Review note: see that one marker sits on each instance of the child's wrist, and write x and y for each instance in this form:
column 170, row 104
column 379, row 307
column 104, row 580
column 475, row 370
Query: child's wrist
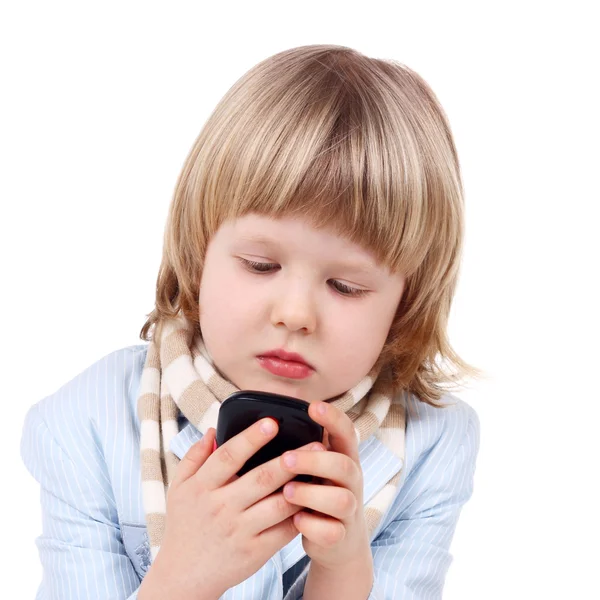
column 163, row 581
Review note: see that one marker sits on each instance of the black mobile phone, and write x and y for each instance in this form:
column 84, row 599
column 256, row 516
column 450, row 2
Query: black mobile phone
column 296, row 428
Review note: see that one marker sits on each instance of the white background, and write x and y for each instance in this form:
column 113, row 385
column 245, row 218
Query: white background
column 101, row 103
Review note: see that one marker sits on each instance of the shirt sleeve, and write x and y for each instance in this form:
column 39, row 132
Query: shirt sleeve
column 80, row 546
column 411, row 555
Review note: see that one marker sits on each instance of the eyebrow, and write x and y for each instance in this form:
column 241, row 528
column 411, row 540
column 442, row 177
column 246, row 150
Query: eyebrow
column 258, row 238
column 360, row 267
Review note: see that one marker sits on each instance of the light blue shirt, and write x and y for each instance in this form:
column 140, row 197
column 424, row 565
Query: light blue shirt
column 82, row 445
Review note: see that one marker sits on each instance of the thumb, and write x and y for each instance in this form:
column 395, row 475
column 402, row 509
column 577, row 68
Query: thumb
column 195, row 457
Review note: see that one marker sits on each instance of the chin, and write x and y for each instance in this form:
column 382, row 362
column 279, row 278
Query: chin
column 284, row 387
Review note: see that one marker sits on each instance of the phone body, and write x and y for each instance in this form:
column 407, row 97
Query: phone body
column 296, row 428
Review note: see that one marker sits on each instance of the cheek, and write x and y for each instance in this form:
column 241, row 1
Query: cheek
column 363, row 344
column 359, row 336
column 219, row 317
column 226, row 305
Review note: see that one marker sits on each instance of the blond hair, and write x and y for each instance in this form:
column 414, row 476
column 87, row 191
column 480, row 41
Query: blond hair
column 355, row 144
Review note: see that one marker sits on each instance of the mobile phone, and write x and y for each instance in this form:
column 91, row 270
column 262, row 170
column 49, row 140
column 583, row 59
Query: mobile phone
column 296, row 428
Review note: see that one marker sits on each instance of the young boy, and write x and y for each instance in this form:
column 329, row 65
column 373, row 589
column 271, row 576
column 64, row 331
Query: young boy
column 312, row 250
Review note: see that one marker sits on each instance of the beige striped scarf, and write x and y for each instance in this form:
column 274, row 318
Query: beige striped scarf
column 181, row 377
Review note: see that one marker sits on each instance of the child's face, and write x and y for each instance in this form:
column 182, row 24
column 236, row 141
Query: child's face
column 303, row 300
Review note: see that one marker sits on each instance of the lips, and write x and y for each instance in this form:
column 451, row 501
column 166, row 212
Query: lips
column 287, row 356
column 285, row 364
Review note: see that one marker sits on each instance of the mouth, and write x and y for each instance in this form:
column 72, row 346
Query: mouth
column 285, row 364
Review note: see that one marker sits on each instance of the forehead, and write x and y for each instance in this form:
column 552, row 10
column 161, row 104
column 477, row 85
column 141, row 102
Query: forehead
column 298, row 235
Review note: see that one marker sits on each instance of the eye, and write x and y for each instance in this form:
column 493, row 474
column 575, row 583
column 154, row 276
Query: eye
column 258, row 267
column 346, row 290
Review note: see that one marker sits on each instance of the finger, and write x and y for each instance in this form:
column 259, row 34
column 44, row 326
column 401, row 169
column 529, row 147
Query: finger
column 264, row 479
column 338, row 468
column 231, row 456
column 271, row 540
column 269, row 512
column 194, row 458
column 334, row 501
column 341, row 435
column 319, row 529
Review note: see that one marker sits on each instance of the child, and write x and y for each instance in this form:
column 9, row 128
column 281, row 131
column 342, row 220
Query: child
column 312, row 249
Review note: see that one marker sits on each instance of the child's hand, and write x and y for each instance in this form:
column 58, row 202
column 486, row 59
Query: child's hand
column 337, row 535
column 221, row 528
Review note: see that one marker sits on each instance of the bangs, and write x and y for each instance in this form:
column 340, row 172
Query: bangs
column 334, row 144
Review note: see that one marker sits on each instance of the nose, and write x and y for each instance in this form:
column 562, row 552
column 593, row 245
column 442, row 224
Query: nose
column 295, row 309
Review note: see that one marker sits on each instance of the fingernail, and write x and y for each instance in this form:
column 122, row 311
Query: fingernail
column 288, row 490
column 267, row 426
column 317, row 446
column 289, row 459
column 322, row 408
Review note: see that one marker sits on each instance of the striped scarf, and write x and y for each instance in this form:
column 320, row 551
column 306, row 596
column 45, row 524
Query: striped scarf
column 180, row 377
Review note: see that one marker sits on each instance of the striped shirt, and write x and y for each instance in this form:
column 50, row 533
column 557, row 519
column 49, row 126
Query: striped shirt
column 81, row 444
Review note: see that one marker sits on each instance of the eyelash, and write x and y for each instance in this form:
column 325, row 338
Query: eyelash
column 341, row 288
